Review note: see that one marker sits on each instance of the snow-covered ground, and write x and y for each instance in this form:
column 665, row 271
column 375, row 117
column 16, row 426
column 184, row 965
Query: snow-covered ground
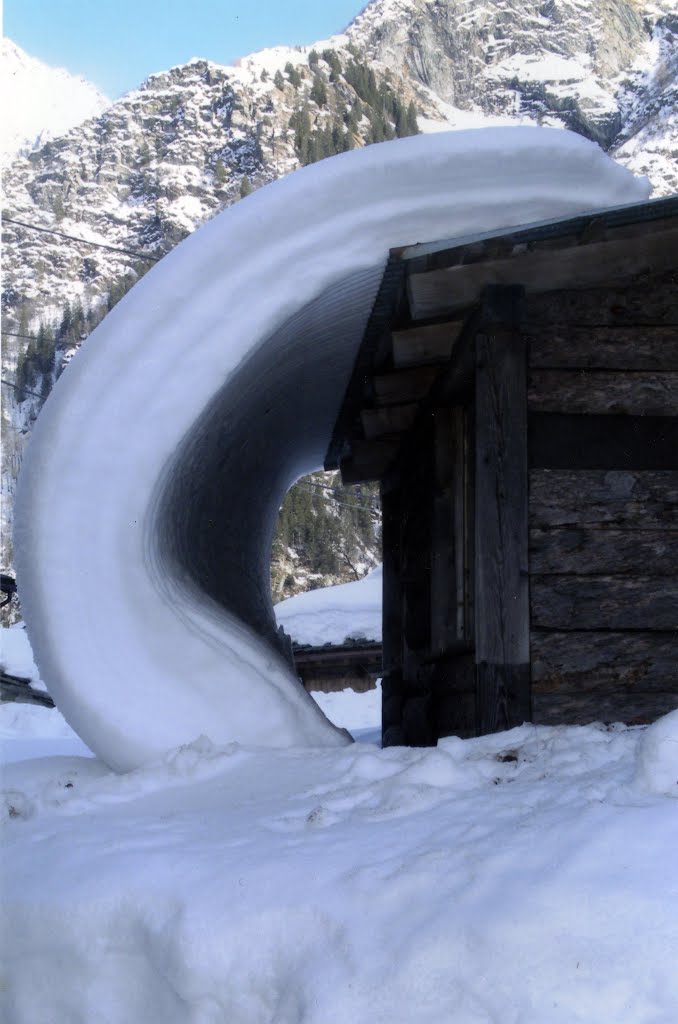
column 524, row 878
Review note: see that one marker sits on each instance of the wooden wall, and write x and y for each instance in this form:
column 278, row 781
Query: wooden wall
column 603, row 501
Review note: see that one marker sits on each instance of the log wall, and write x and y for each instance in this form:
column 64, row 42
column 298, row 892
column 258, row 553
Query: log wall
column 603, row 502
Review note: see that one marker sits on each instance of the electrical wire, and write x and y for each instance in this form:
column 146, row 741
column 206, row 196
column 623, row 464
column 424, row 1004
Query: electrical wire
column 16, row 387
column 83, row 241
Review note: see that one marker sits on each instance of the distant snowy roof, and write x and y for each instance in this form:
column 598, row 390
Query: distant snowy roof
column 144, row 566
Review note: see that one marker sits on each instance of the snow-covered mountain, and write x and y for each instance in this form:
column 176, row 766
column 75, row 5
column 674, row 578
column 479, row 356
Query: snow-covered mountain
column 145, row 171
column 40, row 102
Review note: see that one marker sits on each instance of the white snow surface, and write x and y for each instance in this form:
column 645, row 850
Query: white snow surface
column 231, row 357
column 528, row 877
column 16, row 656
column 331, row 615
column 40, row 102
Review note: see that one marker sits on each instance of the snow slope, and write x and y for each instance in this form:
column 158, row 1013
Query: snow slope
column 159, row 550
column 330, row 615
column 523, row 878
column 40, row 102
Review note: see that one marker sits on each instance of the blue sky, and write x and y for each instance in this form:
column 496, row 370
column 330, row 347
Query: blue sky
column 118, row 43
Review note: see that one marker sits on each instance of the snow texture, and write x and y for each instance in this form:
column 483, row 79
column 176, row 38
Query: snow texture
column 144, row 567
column 658, row 757
column 16, row 656
column 520, row 878
column 331, row 615
column 40, row 102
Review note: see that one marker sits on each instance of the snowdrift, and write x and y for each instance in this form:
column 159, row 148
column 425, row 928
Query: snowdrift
column 149, row 493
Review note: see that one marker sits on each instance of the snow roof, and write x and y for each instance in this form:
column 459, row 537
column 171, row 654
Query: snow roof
column 143, row 565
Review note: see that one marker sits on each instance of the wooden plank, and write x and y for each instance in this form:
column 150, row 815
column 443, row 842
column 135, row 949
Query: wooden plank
column 389, row 419
column 632, row 393
column 604, row 602
column 651, row 299
column 501, row 561
column 454, row 696
column 599, row 441
column 392, row 612
column 586, row 551
column 432, row 343
column 391, row 500
column 586, row 268
column 369, row 460
column 448, row 590
column 403, row 386
column 640, row 661
column 593, row 498
column 580, row 707
column 612, row 348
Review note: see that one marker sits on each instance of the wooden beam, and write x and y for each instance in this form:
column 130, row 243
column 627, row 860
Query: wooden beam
column 604, row 602
column 611, row 442
column 645, row 500
column 388, row 419
column 439, row 293
column 587, row 551
column 404, row 386
column 582, row 706
column 635, row 660
column 561, row 346
column 369, row 460
column 502, row 623
column 646, row 300
column 432, row 343
column 631, row 393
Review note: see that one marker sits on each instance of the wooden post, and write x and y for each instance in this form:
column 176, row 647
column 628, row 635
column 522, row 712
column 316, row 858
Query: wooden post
column 392, row 616
column 502, row 623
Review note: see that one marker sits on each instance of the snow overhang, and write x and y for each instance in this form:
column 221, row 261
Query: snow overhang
column 152, row 483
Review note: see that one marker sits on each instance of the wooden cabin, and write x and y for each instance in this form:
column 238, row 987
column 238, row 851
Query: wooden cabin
column 517, row 398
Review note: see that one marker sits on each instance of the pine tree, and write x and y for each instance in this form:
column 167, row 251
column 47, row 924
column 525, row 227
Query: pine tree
column 318, row 93
column 278, row 80
column 220, row 175
column 245, row 186
column 293, row 76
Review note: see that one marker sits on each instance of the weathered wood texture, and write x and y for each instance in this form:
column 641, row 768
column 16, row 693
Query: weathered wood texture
column 391, row 499
column 403, row 386
column 562, row 346
column 648, row 300
column 15, row 689
column 580, row 706
column 604, row 602
column 432, row 343
column 334, row 667
column 599, row 441
column 645, row 500
column 390, row 419
column 501, row 556
column 436, row 292
column 448, row 590
column 623, row 661
column 586, row 551
column 454, row 696
column 369, row 460
column 633, row 393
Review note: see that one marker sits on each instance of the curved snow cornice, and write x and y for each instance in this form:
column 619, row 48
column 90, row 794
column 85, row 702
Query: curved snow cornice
column 152, row 482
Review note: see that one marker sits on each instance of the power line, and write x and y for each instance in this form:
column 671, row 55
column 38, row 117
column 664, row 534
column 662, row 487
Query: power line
column 16, row 387
column 344, row 504
column 83, row 241
column 28, row 337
